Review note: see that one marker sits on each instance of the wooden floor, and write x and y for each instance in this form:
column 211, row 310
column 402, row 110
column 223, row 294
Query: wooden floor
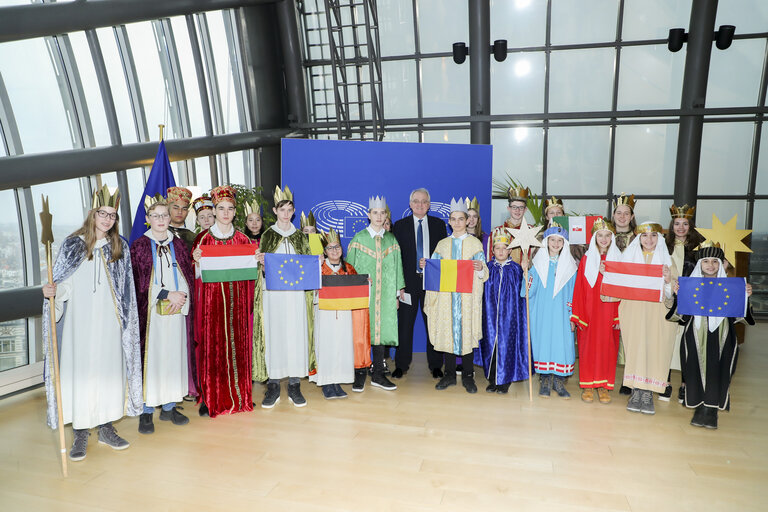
column 415, row 449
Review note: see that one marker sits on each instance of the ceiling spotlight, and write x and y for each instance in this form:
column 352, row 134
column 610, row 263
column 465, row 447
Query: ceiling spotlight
column 460, row 52
column 724, row 36
column 677, row 37
column 499, row 50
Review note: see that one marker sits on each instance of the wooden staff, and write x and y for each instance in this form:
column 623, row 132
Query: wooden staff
column 46, row 220
column 528, row 330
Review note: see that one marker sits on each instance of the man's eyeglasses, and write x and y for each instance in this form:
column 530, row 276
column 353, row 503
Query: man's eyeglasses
column 104, row 215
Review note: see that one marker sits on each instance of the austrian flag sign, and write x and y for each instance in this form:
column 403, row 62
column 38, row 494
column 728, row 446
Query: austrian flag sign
column 633, row 281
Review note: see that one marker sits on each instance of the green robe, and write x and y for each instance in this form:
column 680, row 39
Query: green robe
column 270, row 240
column 381, row 259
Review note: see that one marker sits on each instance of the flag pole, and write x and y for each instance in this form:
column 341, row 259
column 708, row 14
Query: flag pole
column 161, row 126
column 528, row 331
column 46, row 220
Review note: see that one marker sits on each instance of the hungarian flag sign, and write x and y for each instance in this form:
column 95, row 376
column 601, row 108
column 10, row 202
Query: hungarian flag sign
column 224, row 263
column 291, row 271
column 343, row 292
column 579, row 228
column 634, row 281
column 703, row 296
column 449, row 275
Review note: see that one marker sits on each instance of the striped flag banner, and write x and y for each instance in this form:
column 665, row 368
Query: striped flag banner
column 344, row 292
column 579, row 227
column 224, row 263
column 634, row 281
column 449, row 275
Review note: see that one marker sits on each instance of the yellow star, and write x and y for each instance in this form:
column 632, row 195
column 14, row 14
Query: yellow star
column 711, row 282
column 728, row 236
column 695, row 295
column 720, row 284
column 710, row 310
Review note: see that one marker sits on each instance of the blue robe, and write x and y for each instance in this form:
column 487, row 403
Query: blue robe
column 552, row 343
column 504, row 324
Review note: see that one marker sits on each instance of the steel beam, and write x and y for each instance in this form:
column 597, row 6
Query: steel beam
column 480, row 69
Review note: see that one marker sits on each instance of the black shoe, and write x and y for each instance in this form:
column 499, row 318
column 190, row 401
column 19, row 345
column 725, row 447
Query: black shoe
column 146, row 425
column 491, row 388
column 203, row 411
column 329, row 392
column 447, row 380
column 340, row 393
column 469, row 384
column 295, row 396
column 502, row 388
column 666, row 395
column 710, row 417
column 437, row 373
column 380, row 381
column 624, row 390
column 459, row 369
column 271, row 395
column 174, row 417
column 681, row 394
column 359, row 385
column 698, row 417
column 398, row 373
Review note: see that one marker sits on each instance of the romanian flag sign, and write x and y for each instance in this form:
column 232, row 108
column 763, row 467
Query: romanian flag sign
column 449, row 275
column 703, row 296
column 579, row 228
column 633, row 281
column 291, row 271
column 224, row 263
column 344, row 292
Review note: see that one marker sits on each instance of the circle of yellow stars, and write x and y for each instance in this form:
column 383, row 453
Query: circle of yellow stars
column 283, row 278
column 719, row 308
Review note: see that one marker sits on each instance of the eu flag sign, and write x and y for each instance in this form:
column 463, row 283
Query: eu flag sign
column 712, row 296
column 291, row 271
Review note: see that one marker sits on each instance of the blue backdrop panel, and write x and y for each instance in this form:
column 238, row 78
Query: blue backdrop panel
column 334, row 179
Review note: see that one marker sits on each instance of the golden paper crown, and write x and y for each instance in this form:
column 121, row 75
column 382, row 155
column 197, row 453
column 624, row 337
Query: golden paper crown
column 518, row 193
column 282, row 195
column 682, row 212
column 625, row 199
column 103, row 197
column 551, row 202
column 649, row 227
column 307, row 220
column 223, row 193
column 502, row 236
column 179, row 194
column 473, row 204
column 252, row 207
column 149, row 201
column 603, row 224
column 202, row 203
column 330, row 237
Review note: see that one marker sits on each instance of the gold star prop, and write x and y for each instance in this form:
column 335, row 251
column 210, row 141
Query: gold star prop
column 525, row 236
column 729, row 238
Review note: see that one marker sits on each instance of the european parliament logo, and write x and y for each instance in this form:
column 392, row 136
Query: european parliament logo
column 703, row 296
column 346, row 217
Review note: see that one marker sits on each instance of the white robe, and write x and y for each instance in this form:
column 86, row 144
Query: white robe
column 285, row 326
column 93, row 379
column 166, row 377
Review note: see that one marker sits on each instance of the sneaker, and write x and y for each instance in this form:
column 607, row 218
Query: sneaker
column 491, row 388
column 174, row 416
column 646, row 402
column 545, row 385
column 588, row 395
column 79, row 444
column 359, row 384
column 295, row 396
column 380, row 381
column 271, row 396
column 666, row 395
column 108, row 436
column 560, row 387
column 633, row 405
column 329, row 392
column 603, row 395
column 502, row 389
column 340, row 393
column 469, row 384
column 624, row 390
column 146, row 425
column 681, row 394
column 446, row 381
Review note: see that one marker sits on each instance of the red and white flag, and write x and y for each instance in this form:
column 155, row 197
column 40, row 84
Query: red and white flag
column 634, row 281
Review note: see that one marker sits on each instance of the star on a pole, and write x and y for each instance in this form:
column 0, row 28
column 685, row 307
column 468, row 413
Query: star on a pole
column 525, row 237
column 729, row 238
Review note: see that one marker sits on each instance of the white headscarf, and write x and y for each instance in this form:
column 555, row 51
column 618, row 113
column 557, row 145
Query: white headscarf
column 566, row 265
column 634, row 252
column 713, row 322
column 592, row 266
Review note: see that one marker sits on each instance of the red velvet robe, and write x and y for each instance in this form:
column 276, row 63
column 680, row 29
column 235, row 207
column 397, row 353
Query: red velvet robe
column 598, row 340
column 224, row 332
column 361, row 323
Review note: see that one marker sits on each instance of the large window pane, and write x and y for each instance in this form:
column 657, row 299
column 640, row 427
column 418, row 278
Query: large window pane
column 224, row 72
column 237, row 162
column 762, row 162
column 447, row 136
column 724, row 209
column 584, row 21
column 11, row 258
column 399, row 89
column 734, row 74
column 585, row 206
column 517, row 84
column 13, row 344
column 203, row 172
column 726, row 150
column 396, row 31
column 30, row 80
column 581, row 80
column 401, row 136
column 652, row 19
column 188, row 76
column 442, row 23
column 758, row 260
column 117, row 84
column 655, row 210
column 650, row 77
column 644, row 160
column 520, row 22
column 444, row 87
column 91, row 89
column 518, row 153
column 577, row 160
column 749, row 16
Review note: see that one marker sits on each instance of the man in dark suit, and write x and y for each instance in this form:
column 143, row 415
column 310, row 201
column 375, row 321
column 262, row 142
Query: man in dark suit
column 417, row 235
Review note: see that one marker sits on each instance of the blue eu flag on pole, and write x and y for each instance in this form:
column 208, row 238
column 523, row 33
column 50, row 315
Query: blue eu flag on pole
column 159, row 181
column 712, row 296
column 292, row 272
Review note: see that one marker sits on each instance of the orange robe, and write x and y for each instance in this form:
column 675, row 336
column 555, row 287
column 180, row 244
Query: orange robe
column 361, row 324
